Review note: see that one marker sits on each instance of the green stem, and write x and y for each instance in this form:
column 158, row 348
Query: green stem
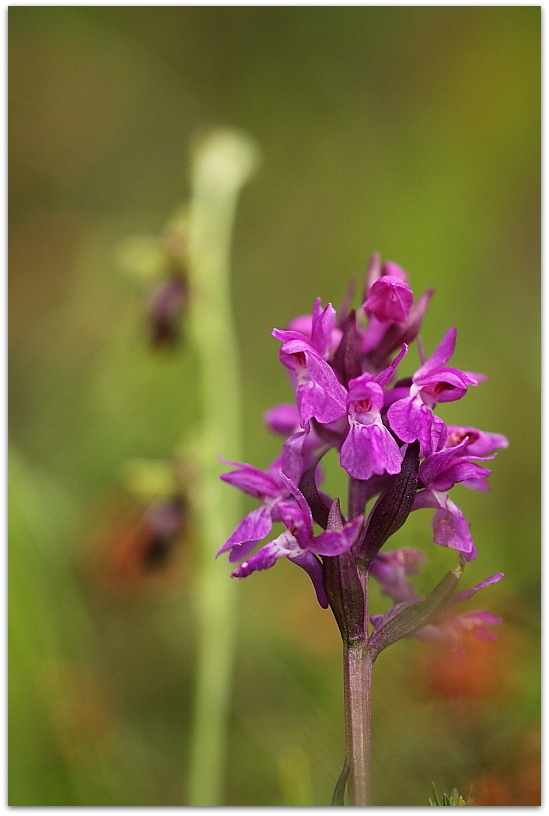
column 222, row 166
column 357, row 666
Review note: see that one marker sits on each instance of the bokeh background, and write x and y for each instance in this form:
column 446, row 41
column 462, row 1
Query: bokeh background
column 412, row 131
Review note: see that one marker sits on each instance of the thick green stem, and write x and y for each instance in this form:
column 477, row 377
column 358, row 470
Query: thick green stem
column 222, row 165
column 357, row 666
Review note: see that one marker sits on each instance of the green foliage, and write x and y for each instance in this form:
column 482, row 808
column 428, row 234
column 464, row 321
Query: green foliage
column 453, row 799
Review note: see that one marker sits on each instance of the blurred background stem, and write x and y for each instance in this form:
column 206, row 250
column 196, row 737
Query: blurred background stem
column 222, row 165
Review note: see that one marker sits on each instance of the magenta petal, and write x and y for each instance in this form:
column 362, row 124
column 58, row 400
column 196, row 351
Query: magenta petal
column 460, row 472
column 302, row 324
column 315, row 401
column 282, row 419
column 479, row 443
column 369, row 449
column 389, row 299
column 392, row 269
column 323, row 375
column 300, row 498
column 253, row 528
column 384, row 377
column 323, row 325
column 440, row 355
column 436, row 463
column 465, row 594
column 335, row 542
column 250, row 480
column 288, row 336
column 444, row 384
column 292, row 460
column 411, row 419
column 313, row 568
column 283, row 546
column 450, row 529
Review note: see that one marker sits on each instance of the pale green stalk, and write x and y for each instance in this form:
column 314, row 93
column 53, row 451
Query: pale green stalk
column 221, row 167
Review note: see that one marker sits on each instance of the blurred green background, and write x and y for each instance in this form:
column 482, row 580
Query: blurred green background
column 412, row 131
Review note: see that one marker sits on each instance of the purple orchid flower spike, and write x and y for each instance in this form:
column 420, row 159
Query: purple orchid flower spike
column 397, row 453
column 298, row 544
column 412, row 418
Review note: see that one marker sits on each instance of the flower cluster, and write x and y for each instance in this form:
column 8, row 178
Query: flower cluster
column 343, row 370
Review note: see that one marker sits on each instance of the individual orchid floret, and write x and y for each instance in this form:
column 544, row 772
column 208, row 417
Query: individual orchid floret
column 298, row 544
column 319, row 393
column 450, row 527
column 412, row 417
column 394, row 318
column 479, row 443
column 391, row 569
column 389, row 299
column 443, row 469
column 319, row 328
column 264, row 485
column 438, row 473
column 396, row 333
column 369, row 447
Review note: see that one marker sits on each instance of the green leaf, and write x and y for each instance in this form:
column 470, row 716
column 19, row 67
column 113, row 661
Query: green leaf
column 434, row 800
column 409, row 619
column 339, row 792
column 454, row 799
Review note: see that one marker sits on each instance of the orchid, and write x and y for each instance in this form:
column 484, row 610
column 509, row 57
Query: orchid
column 397, row 452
